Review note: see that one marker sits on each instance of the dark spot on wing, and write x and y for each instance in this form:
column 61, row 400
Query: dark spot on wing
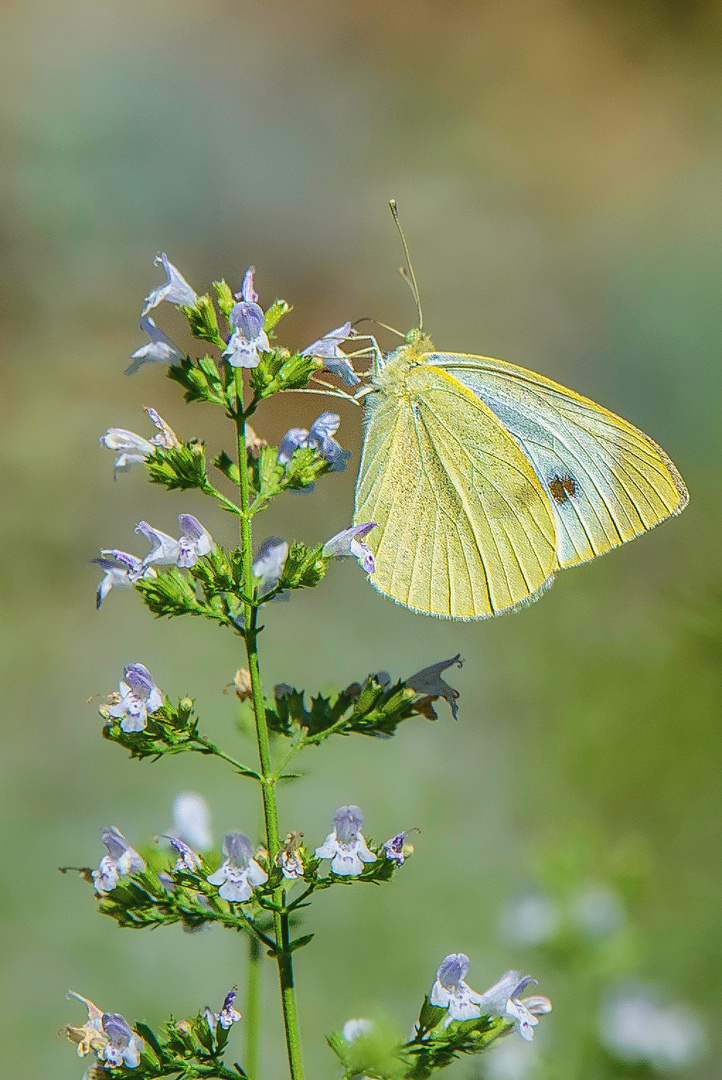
column 562, row 488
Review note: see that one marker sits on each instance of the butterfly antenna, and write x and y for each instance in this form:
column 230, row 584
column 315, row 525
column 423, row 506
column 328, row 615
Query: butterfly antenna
column 407, row 274
column 383, row 325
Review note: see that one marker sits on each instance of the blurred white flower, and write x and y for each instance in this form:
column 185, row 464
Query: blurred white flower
column 597, row 910
column 511, row 1059
column 635, row 1027
column 353, row 1029
column 530, row 920
column 192, row 820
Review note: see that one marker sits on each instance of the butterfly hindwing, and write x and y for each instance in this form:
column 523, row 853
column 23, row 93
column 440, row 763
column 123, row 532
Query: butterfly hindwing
column 606, row 481
column 465, row 529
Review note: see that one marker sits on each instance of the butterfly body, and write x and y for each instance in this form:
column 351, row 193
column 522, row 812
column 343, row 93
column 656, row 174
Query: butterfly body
column 484, row 479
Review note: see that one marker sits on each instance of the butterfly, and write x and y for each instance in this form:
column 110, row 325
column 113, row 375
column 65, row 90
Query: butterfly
column 484, row 479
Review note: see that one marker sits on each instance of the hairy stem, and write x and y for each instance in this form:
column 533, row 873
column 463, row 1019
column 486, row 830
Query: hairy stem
column 270, row 812
column 253, row 1007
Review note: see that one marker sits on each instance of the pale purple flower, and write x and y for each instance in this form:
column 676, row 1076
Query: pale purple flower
column 124, row 1047
column 429, row 682
column 452, row 993
column 320, row 438
column 349, row 542
column 530, row 920
column 247, row 319
column 122, row 570
column 195, row 541
column 269, row 563
column 335, row 361
column 503, row 1000
column 597, row 910
column 165, row 550
column 175, row 288
column 192, row 820
column 159, row 350
column 139, row 698
column 120, row 861
column 108, row 1035
column 187, row 860
column 228, row 1015
column 397, row 850
column 240, row 874
column 133, row 449
column 346, row 846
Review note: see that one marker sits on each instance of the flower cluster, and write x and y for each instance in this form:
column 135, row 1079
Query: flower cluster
column 452, row 993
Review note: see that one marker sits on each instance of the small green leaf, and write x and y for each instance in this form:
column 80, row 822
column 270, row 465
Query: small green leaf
column 200, row 380
column 182, row 468
column 226, row 465
column 203, row 321
column 275, row 313
column 304, row 567
column 299, row 942
column 266, row 472
column 170, row 593
column 226, row 299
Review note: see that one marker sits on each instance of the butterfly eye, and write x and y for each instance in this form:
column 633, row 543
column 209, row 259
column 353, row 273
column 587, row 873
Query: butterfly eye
column 562, row 488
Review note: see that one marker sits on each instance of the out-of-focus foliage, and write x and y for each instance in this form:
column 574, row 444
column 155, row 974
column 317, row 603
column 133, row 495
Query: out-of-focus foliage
column 557, row 167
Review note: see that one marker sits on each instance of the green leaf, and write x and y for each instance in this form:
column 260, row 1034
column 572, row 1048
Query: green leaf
column 169, row 730
column 226, row 299
column 299, row 942
column 203, row 321
column 279, row 370
column 266, row 472
column 182, row 468
column 200, row 380
column 169, row 594
column 151, row 1039
column 226, row 465
column 304, row 468
column 275, row 313
column 304, row 567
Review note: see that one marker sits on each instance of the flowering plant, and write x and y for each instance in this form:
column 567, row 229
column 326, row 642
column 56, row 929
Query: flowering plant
column 257, row 889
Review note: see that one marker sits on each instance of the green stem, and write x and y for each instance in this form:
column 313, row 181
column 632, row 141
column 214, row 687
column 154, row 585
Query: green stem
column 270, row 811
column 253, row 1008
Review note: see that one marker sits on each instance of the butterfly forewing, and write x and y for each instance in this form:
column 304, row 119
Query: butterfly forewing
column 465, row 529
column 606, row 481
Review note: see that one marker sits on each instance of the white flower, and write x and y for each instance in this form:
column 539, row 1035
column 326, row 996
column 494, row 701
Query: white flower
column 159, row 350
column 120, row 861
column 335, row 361
column 133, row 449
column 121, row 571
column 349, row 542
column 192, row 820
column 175, row 289
column 240, row 874
column 502, row 999
column 597, row 910
column 345, row 846
column 139, row 698
column 451, row 992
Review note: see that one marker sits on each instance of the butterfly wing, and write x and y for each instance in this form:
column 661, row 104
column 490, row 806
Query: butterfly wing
column 465, row 529
column 607, row 481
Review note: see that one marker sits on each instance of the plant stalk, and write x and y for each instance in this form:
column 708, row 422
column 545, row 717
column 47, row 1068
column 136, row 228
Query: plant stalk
column 270, row 811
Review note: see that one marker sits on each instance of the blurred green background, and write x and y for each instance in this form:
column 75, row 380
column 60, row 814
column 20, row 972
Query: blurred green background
column 557, row 164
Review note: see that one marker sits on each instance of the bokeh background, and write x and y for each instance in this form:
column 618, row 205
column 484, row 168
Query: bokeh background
column 558, row 167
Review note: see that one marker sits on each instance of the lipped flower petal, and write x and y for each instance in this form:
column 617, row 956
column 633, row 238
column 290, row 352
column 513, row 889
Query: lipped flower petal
column 175, row 289
column 346, row 846
column 269, row 563
column 159, row 350
column 195, row 541
column 139, row 698
column 165, row 550
column 247, row 321
column 349, row 542
column 328, row 349
column 239, row 874
column 122, row 570
column 120, row 861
